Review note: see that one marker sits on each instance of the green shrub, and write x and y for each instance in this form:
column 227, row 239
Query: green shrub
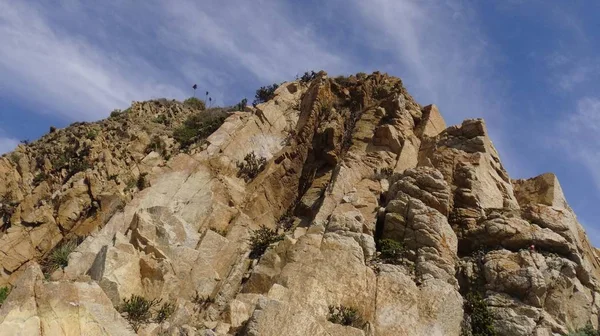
column 383, row 173
column 4, row 291
column 260, row 240
column 115, row 113
column 265, row 94
column 308, row 76
column 142, row 181
column 201, row 301
column 6, row 212
column 391, row 250
column 59, row 257
column 481, row 318
column 162, row 119
column 77, row 165
column 164, row 312
column 241, row 105
column 92, row 134
column 156, row 145
column 251, row 166
column 138, row 310
column 345, row 316
column 195, row 103
column 588, row 330
column 131, row 183
column 199, row 126
column 39, row 178
column 15, row 157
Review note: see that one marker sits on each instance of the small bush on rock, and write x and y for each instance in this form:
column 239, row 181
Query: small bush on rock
column 199, row 126
column 391, row 250
column 383, row 173
column 265, row 94
column 138, row 310
column 481, row 318
column 165, row 311
column 241, row 105
column 142, row 181
column 4, row 291
column 260, row 240
column 156, row 145
column 588, row 330
column 115, row 113
column 59, row 257
column 308, row 76
column 251, row 166
column 345, row 316
column 196, row 103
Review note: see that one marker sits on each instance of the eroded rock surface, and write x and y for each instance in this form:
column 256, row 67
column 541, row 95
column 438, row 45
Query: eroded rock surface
column 349, row 163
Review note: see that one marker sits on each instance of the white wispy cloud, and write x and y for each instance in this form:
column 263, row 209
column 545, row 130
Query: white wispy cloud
column 82, row 61
column 568, row 72
column 437, row 45
column 64, row 72
column 579, row 135
column 259, row 38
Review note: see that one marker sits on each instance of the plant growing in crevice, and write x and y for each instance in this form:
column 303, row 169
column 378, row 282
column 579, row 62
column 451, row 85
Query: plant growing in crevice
column 156, row 145
column 260, row 239
column 137, row 310
column 251, row 166
column 7, row 209
column 286, row 222
column 4, row 291
column 222, row 232
column 39, row 178
column 142, row 181
column 391, row 250
column 482, row 321
column 588, row 330
column 201, row 301
column 383, row 173
column 164, row 312
column 346, row 316
column 59, row 257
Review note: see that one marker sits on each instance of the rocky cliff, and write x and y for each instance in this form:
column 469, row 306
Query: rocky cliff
column 337, row 207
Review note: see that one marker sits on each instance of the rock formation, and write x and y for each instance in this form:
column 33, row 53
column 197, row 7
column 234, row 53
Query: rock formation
column 380, row 220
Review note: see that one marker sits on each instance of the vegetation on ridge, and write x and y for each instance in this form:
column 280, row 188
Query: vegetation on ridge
column 199, row 126
column 264, row 94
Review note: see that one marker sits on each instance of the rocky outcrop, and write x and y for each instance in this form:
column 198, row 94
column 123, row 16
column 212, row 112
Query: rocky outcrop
column 352, row 165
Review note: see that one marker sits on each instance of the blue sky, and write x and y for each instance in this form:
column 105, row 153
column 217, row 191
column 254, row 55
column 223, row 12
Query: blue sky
column 529, row 68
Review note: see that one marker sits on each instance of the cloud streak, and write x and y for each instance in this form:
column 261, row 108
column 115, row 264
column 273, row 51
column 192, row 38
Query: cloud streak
column 579, row 135
column 65, row 73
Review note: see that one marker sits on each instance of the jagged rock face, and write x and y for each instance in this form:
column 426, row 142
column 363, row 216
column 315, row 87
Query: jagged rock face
column 71, row 181
column 350, row 163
